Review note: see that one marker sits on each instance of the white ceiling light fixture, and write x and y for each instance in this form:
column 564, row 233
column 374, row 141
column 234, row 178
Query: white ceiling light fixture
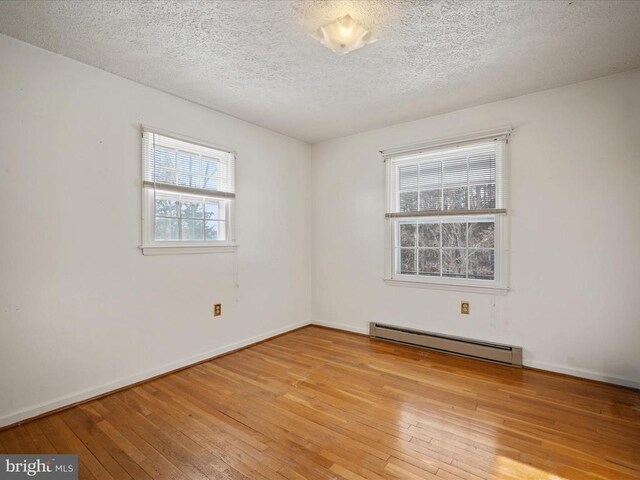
column 344, row 35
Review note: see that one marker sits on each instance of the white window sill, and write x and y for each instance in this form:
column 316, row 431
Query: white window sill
column 186, row 249
column 447, row 286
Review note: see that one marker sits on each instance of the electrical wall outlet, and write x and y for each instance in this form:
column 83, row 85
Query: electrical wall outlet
column 217, row 310
column 464, row 308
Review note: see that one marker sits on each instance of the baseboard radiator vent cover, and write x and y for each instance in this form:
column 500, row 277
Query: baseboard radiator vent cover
column 466, row 347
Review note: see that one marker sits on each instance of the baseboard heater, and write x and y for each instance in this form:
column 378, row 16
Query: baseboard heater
column 466, row 347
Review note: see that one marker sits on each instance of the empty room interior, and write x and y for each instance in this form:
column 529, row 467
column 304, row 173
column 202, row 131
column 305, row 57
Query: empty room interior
column 309, row 239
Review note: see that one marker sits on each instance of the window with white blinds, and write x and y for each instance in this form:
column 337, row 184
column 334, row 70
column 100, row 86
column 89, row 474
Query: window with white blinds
column 446, row 213
column 188, row 190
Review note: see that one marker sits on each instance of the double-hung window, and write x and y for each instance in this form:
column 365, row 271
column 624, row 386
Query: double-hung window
column 188, row 195
column 446, row 215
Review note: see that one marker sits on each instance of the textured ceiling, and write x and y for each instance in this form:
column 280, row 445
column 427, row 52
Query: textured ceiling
column 255, row 59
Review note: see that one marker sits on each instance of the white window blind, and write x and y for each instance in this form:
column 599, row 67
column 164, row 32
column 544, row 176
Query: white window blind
column 182, row 166
column 450, row 180
column 446, row 213
column 189, row 189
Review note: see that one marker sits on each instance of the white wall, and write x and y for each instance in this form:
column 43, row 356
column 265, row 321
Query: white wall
column 575, row 231
column 81, row 309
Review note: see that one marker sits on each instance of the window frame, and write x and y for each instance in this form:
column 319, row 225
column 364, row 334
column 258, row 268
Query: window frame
column 151, row 246
column 393, row 160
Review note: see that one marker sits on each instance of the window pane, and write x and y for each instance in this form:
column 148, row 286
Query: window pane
column 482, row 168
column 214, row 230
column 429, row 235
column 455, row 198
column 184, row 180
column 408, row 177
column 166, row 229
column 408, row 201
column 429, row 261
column 454, row 172
column 453, row 263
column 163, row 157
column 430, row 200
column 192, row 230
column 454, row 234
column 167, row 207
column 165, row 175
column 481, row 264
column 209, row 169
column 482, row 196
column 407, row 234
column 431, row 176
column 407, row 260
column 214, row 209
column 192, row 208
column 188, row 169
column 188, row 162
column 197, row 181
column 190, row 180
column 481, row 234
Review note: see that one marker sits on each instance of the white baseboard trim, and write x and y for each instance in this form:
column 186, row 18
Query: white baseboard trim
column 67, row 400
column 342, row 326
column 551, row 367
column 579, row 372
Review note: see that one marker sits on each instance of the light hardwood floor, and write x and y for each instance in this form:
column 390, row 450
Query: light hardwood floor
column 319, row 403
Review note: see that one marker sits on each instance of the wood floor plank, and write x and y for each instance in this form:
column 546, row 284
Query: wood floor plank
column 66, row 441
column 319, row 403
